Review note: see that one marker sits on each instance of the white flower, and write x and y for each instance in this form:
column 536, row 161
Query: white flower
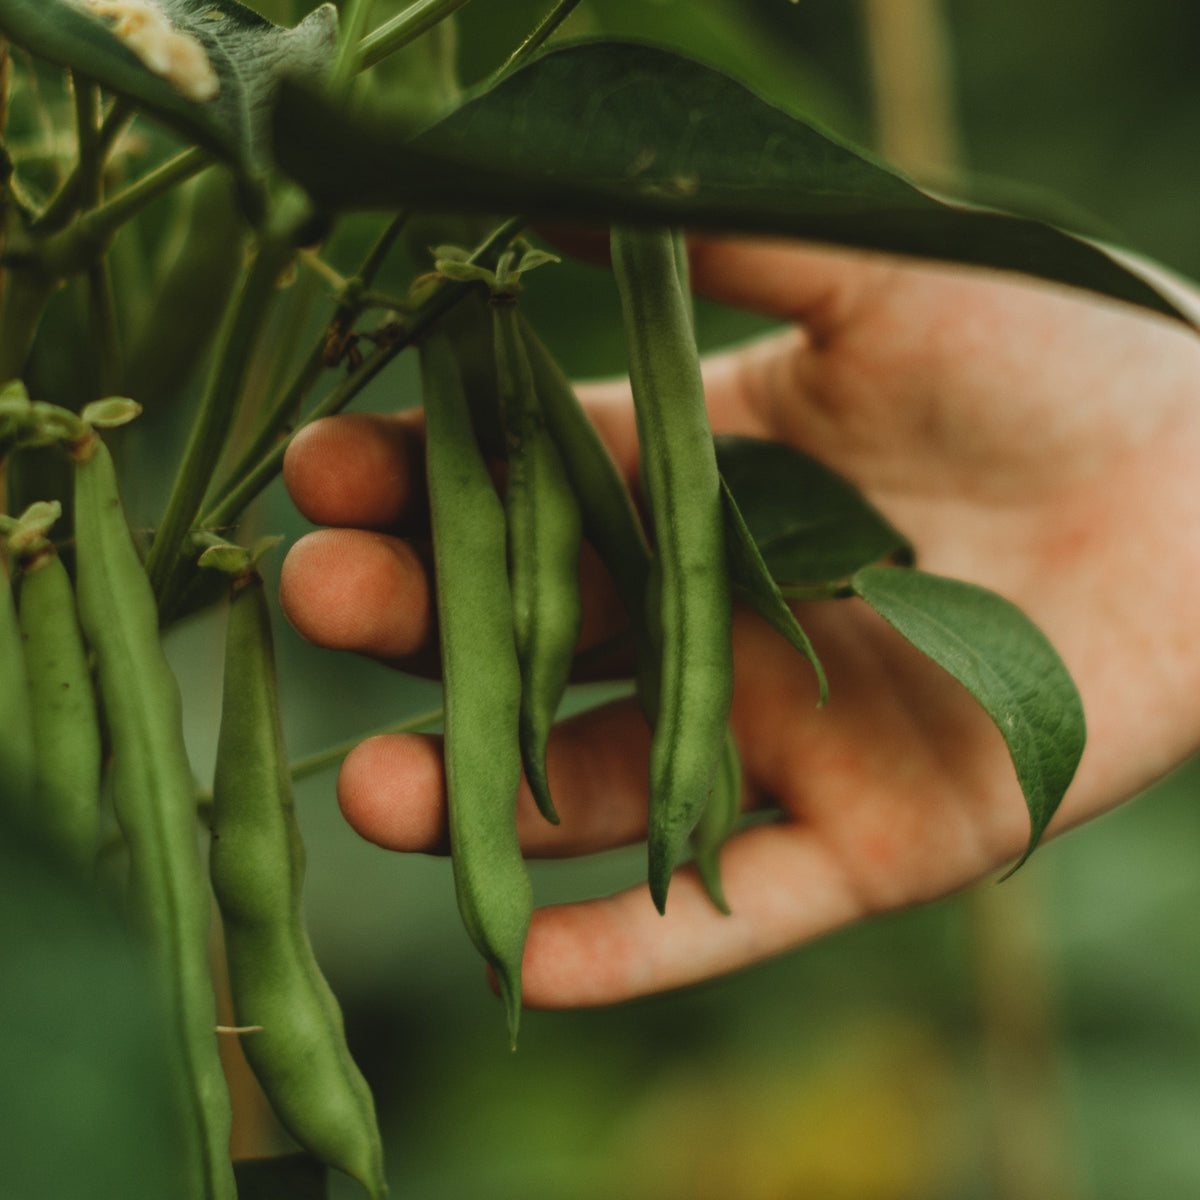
column 176, row 55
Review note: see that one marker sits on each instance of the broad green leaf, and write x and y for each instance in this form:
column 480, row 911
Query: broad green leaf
column 810, row 525
column 600, row 131
column 291, row 1177
column 1004, row 661
column 752, row 583
column 209, row 68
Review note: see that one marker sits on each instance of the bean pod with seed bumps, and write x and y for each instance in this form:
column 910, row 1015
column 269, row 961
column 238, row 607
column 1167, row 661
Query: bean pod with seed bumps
column 689, row 593
column 155, row 802
column 62, row 703
column 544, row 530
column 295, row 1040
column 481, row 677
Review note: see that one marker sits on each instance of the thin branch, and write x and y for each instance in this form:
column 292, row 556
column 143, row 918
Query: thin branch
column 314, row 764
column 404, row 335
column 243, row 323
column 548, row 24
column 285, row 409
column 403, row 28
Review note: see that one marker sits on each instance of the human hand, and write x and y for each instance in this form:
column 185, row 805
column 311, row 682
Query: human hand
column 1035, row 441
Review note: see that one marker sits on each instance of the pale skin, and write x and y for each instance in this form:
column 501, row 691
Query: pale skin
column 1033, row 440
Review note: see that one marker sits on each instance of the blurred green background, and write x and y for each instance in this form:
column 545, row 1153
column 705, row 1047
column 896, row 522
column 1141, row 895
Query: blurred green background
column 1037, row 1039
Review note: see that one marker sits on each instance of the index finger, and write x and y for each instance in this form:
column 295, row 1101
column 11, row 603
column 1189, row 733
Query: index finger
column 359, row 470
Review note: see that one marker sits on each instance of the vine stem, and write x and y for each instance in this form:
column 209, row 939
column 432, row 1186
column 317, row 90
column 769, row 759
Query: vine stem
column 284, row 410
column 67, row 199
column 27, row 291
column 237, row 339
column 354, row 22
column 125, row 205
column 403, row 28
column 544, row 28
column 911, row 63
column 240, row 495
column 314, row 764
column 89, row 192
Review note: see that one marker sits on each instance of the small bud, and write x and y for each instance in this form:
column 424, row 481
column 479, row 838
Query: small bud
column 111, row 412
column 28, row 534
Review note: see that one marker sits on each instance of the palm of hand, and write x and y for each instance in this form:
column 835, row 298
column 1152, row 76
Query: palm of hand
column 1035, row 443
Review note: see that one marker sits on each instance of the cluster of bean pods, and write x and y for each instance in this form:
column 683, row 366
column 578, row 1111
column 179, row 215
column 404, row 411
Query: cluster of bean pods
column 51, row 760
column 508, row 600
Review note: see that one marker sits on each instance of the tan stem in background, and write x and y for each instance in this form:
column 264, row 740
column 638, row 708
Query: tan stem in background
column 911, row 66
column 1032, row 1150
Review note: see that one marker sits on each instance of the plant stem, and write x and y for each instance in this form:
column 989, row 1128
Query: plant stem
column 238, row 336
column 276, row 420
column 87, row 133
column 407, row 332
column 66, row 200
column 1031, row 1149
column 105, row 334
column 126, row 205
column 88, row 194
column 548, row 24
column 403, row 28
column 383, row 247
column 27, row 291
column 914, row 91
column 354, row 14
column 226, row 512
column 315, row 263
column 314, row 764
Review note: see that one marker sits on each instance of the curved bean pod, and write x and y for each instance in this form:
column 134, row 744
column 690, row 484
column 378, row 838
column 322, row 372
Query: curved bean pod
column 155, row 803
column 300, row 1054
column 689, row 587
column 481, row 677
column 66, row 729
column 544, row 532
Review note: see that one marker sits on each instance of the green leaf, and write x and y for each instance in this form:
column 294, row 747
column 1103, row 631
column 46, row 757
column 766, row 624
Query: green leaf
column 752, row 583
column 600, row 131
column 291, row 1177
column 1004, row 661
column 810, row 525
column 172, row 68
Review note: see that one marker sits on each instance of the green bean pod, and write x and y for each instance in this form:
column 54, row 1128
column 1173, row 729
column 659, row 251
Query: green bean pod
column 481, row 677
column 689, row 586
column 544, row 532
column 16, row 722
column 297, row 1047
column 66, row 729
column 155, row 803
column 718, row 821
column 610, row 520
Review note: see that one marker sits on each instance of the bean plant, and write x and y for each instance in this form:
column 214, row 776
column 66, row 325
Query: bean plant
column 256, row 141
